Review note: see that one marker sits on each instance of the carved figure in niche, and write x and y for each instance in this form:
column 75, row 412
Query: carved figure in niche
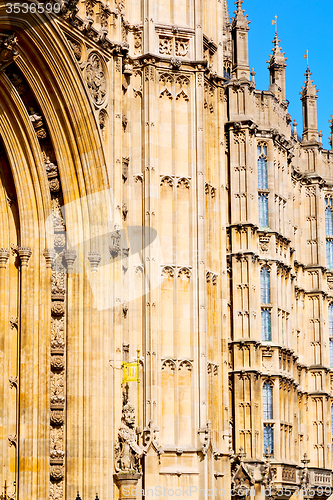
column 128, row 452
column 96, row 78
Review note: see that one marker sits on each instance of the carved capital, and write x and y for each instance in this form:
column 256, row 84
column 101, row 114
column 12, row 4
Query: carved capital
column 70, row 256
column 4, row 256
column 49, row 255
column 94, row 259
column 24, row 254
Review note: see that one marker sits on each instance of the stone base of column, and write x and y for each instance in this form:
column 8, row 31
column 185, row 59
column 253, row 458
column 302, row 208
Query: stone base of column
column 127, row 484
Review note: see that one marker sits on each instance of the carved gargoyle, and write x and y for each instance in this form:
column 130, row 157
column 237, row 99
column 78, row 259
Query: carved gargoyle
column 127, row 450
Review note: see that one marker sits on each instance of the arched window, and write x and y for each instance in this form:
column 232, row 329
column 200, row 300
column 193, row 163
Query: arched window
column 267, row 400
column 262, row 167
column 265, row 285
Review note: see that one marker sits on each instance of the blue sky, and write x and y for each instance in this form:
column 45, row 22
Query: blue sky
column 302, row 25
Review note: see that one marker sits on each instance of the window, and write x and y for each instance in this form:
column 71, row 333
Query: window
column 262, row 184
column 262, row 168
column 265, row 290
column 267, row 398
column 263, row 210
column 329, row 232
column 266, row 333
column 268, row 439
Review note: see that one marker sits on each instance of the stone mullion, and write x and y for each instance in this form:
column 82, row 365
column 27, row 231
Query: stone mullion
column 233, row 182
column 252, row 302
column 154, row 264
column 26, row 432
column 223, row 275
column 10, row 368
column 44, row 379
column 274, row 302
column 149, row 211
column 200, row 238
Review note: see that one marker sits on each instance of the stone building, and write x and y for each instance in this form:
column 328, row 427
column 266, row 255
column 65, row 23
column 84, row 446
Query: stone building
column 166, row 260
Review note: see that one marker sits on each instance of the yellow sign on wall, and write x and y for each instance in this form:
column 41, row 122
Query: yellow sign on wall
column 131, row 372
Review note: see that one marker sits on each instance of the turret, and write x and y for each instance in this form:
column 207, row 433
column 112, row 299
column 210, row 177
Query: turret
column 309, row 101
column 277, row 69
column 239, row 31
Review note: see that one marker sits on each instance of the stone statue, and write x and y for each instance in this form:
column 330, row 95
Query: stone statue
column 128, row 452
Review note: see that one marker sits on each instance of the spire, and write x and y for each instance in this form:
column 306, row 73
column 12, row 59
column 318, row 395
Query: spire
column 309, row 101
column 277, row 68
column 239, row 29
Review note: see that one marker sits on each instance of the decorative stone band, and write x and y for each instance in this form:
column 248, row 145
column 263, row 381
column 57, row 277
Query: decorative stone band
column 4, row 256
column 24, row 254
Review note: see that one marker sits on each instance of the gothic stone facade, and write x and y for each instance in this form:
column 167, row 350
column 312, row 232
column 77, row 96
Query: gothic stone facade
column 153, row 199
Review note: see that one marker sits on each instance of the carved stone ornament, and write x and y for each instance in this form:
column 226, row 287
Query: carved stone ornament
column 56, row 472
column 57, row 363
column 96, row 79
column 8, row 50
column 58, row 308
column 57, row 418
column 127, row 450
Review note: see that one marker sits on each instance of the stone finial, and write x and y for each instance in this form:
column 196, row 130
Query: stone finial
column 70, row 256
column 24, row 254
column 50, row 256
column 277, row 65
column 253, row 74
column 4, row 256
column 94, row 259
column 240, row 20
